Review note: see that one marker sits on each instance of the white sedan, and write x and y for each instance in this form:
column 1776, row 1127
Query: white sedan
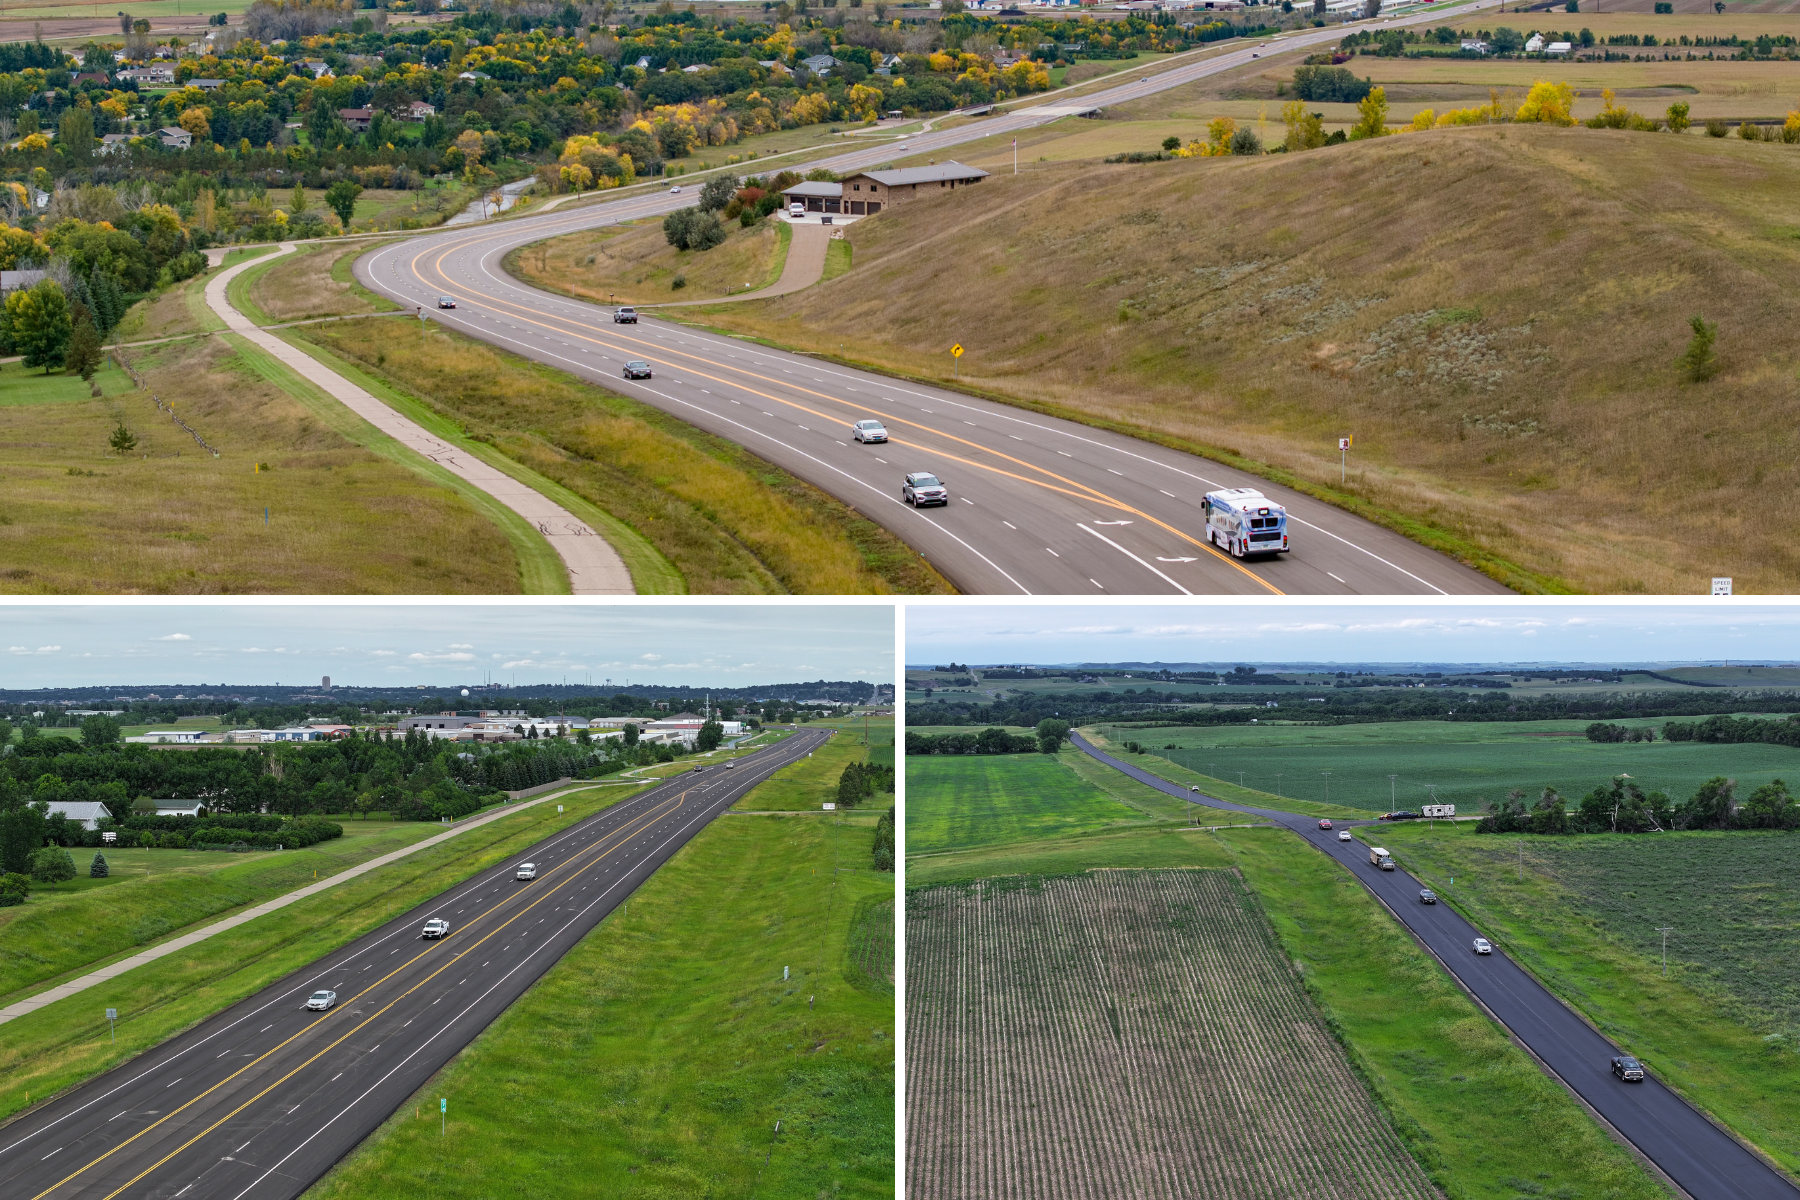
column 675, row 190
column 1343, row 835
column 869, row 431
column 321, row 1000
column 1483, row 946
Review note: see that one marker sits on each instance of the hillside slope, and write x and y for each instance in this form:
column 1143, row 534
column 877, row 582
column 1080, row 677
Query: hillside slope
column 1494, row 313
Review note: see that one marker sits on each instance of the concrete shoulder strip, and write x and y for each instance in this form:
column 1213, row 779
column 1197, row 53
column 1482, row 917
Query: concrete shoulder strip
column 63, row 991
column 595, row 568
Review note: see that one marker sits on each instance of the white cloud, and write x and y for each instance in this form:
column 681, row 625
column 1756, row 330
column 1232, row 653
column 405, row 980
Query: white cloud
column 461, row 646
column 47, row 649
column 456, row 656
column 650, row 657
column 384, row 653
column 175, row 637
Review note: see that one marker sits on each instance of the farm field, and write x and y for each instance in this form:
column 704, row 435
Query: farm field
column 655, row 1059
column 1468, row 763
column 67, row 1041
column 1219, row 1078
column 963, row 800
column 1258, row 341
column 1585, row 917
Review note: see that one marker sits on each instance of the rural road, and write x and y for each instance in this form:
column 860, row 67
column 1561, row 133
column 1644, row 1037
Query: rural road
column 1701, row 1158
column 259, row 1101
column 1039, row 505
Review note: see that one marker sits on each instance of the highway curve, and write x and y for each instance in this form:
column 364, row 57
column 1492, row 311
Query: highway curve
column 259, row 1101
column 1702, row 1159
column 1039, row 505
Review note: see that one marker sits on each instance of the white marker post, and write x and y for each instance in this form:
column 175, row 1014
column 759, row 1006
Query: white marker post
column 1344, row 460
column 112, row 1015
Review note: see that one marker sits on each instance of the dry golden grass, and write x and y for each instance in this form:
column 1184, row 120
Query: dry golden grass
column 1495, row 314
column 634, row 264
column 315, row 282
column 730, row 522
column 76, row 519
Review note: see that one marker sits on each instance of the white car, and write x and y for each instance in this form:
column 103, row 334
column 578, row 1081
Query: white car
column 796, row 210
column 675, row 190
column 869, row 431
column 435, row 928
column 1483, row 946
column 1195, row 788
column 730, row 765
column 321, row 1000
column 526, row 871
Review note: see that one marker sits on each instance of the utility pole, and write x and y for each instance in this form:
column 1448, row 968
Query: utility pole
column 1278, row 784
column 1665, row 930
column 1327, row 775
column 1392, row 802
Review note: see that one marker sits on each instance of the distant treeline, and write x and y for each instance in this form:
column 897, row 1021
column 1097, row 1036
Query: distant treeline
column 1047, row 738
column 862, row 780
column 1620, row 806
column 1349, row 705
column 1736, row 729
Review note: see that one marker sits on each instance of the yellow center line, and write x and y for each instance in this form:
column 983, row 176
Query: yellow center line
column 610, row 837
column 1083, row 491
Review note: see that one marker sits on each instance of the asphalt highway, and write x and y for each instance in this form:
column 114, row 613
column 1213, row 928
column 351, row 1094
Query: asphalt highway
column 1038, row 505
column 1701, row 1158
column 260, row 1100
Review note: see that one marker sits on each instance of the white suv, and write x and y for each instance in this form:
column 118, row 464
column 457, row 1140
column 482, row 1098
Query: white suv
column 526, row 871
column 922, row 488
column 435, row 928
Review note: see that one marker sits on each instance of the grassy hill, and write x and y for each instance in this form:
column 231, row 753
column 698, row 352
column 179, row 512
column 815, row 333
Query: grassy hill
column 1494, row 313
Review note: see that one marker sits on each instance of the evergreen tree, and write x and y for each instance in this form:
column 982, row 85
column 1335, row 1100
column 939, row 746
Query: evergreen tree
column 97, row 869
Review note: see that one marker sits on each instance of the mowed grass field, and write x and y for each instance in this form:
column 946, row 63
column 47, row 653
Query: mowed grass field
column 954, row 802
column 634, row 264
column 1069, row 1037
column 68, row 1041
column 657, row 1057
column 1434, row 295
column 1724, row 1027
column 147, row 894
column 171, row 518
column 1462, row 764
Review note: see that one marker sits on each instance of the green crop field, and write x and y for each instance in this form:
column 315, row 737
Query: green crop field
column 1467, row 763
column 1583, row 914
column 959, row 801
column 655, row 1059
column 68, row 1041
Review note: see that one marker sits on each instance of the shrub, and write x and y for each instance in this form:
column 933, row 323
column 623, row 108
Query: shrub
column 1700, row 361
column 677, row 283
column 748, row 218
column 1749, row 132
column 97, row 869
column 13, row 889
column 192, row 263
column 693, row 229
column 1171, row 143
column 1332, row 85
column 52, row 864
column 1678, row 117
column 1245, row 141
column 1665, row 6
column 716, row 193
column 1716, row 128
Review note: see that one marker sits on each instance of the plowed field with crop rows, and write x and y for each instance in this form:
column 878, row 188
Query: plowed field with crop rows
column 1126, row 1034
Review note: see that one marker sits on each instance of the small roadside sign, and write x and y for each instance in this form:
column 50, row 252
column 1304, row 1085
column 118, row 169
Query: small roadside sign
column 829, row 806
column 1721, row 585
column 1344, row 443
column 956, row 350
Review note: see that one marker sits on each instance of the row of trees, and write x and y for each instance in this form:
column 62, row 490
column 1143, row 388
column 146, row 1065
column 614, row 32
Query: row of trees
column 1047, row 738
column 862, row 781
column 1621, row 806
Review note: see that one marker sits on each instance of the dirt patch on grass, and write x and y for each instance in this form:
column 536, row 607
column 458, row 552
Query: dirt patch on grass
column 730, row 522
column 1494, row 314
column 636, row 265
column 76, row 518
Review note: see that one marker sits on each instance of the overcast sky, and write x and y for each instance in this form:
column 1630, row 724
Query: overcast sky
column 76, row 645
column 1537, row 630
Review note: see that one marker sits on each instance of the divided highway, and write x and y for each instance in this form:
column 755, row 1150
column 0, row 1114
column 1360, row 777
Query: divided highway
column 1038, row 505
column 1704, row 1160
column 259, row 1101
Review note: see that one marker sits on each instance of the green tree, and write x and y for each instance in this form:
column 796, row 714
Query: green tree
column 630, row 735
column 297, row 204
column 1700, row 361
column 1051, row 733
column 14, row 887
column 98, row 869
column 37, row 324
column 1171, row 143
column 75, row 135
column 716, row 193
column 52, row 864
column 1678, row 116
column 1769, row 807
column 99, row 731
column 1371, row 121
column 340, row 198
column 1549, row 814
column 711, row 734
column 83, row 357
column 884, row 842
column 123, row 440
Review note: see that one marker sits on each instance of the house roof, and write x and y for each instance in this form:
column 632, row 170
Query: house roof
column 12, row 281
column 80, row 810
column 936, row 173
column 814, row 187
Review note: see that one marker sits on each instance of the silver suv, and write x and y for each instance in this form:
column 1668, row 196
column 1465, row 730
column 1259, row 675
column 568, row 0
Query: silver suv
column 922, row 488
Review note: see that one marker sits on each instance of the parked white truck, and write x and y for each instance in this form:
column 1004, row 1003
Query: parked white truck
column 1380, row 858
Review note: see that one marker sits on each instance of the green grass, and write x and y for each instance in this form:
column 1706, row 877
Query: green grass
column 1723, row 1028
column 959, row 801
column 809, row 783
column 68, row 927
column 1474, row 1109
column 1169, row 846
column 66, row 1042
column 656, row 1058
column 651, row 573
column 541, row 571
column 1157, row 763
column 1469, row 763
column 837, row 259
column 21, row 386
